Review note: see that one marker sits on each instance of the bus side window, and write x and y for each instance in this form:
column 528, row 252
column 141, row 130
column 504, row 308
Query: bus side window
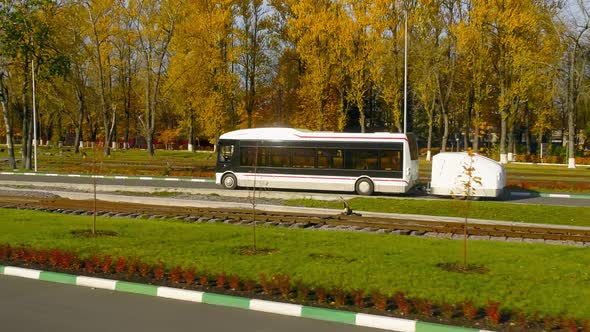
column 226, row 153
column 364, row 159
column 330, row 158
column 391, row 160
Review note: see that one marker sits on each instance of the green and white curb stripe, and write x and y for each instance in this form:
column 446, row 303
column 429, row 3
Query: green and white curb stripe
column 386, row 323
column 295, row 310
column 20, row 272
column 547, row 195
column 112, row 177
column 61, row 278
column 96, row 283
column 276, row 307
column 203, row 180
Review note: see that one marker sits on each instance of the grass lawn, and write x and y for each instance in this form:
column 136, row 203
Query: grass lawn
column 548, row 279
column 545, row 214
column 130, row 162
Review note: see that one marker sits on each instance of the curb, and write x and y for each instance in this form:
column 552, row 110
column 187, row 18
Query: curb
column 203, row 180
column 280, row 308
column 537, row 194
column 112, row 177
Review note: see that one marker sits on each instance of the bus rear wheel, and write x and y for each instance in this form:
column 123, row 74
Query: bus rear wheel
column 364, row 187
column 229, row 181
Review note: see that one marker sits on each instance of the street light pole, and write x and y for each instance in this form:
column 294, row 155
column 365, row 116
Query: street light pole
column 406, row 74
column 34, row 115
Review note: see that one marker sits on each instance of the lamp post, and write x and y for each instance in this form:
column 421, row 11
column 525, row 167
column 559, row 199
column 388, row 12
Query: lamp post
column 34, row 115
column 406, row 74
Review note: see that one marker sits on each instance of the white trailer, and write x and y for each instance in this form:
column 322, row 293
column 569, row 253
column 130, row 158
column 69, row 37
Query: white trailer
column 449, row 175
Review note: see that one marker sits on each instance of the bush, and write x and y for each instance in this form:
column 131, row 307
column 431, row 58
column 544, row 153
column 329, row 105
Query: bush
column 358, row 298
column 379, row 301
column 120, row 265
column 107, row 264
column 189, row 276
column 233, row 282
column 493, row 312
column 469, row 310
column 175, row 275
column 433, row 151
column 424, row 307
column 404, row 306
column 220, row 282
column 204, row 280
column 320, row 294
column 159, row 272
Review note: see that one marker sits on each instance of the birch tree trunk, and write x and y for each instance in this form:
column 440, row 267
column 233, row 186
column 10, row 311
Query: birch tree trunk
column 7, row 123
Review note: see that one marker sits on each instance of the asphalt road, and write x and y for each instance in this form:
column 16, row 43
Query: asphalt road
column 32, row 305
column 23, row 179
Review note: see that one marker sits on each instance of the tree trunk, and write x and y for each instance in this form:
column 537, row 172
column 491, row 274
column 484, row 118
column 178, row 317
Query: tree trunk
column 429, row 142
column 7, row 123
column 571, row 148
column 81, row 111
column 127, row 102
column 26, row 156
column 511, row 142
column 150, row 142
column 9, row 135
column 571, row 111
column 468, row 121
column 430, row 112
column 191, row 132
column 361, row 117
column 527, row 132
column 321, row 114
column 126, row 129
column 476, row 131
column 445, row 136
column 503, row 156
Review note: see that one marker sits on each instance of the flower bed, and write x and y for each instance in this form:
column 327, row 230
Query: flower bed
column 281, row 287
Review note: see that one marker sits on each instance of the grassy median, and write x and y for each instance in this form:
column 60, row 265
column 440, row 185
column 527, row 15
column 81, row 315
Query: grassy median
column 544, row 214
column 533, row 277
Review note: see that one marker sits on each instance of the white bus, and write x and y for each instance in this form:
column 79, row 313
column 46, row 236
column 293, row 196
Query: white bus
column 288, row 158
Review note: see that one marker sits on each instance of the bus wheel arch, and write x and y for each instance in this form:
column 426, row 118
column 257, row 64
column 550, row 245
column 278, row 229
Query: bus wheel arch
column 229, row 181
column 364, row 186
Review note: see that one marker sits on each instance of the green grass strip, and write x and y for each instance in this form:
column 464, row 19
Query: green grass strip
column 226, row 300
column 531, row 277
column 1, row 269
column 132, row 287
column 547, row 214
column 58, row 277
column 329, row 314
column 432, row 327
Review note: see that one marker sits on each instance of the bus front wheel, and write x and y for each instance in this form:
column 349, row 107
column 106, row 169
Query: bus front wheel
column 229, row 181
column 364, row 187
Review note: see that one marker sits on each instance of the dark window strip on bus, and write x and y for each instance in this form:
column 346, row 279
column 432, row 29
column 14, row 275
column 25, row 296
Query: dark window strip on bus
column 359, row 159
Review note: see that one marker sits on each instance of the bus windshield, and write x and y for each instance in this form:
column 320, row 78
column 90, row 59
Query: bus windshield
column 226, row 152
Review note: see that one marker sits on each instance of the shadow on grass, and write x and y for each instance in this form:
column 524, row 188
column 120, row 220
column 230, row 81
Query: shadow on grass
column 88, row 233
column 251, row 251
column 460, row 268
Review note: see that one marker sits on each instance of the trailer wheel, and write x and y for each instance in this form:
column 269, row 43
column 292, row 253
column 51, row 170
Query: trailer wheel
column 364, row 187
column 229, row 181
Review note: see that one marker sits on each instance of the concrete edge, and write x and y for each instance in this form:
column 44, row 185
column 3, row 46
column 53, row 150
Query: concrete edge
column 207, row 180
column 113, row 177
column 280, row 308
column 548, row 195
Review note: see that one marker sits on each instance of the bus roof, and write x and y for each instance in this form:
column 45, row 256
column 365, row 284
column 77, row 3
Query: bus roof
column 291, row 134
